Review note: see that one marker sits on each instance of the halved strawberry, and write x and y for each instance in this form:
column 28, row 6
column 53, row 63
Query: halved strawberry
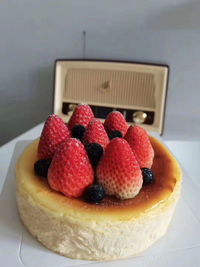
column 54, row 132
column 70, row 171
column 118, row 170
column 115, row 122
column 81, row 116
column 138, row 140
column 95, row 133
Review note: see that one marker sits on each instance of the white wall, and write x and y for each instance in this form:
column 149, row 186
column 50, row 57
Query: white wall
column 34, row 33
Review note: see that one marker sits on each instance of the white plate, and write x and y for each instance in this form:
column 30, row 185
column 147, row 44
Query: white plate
column 179, row 247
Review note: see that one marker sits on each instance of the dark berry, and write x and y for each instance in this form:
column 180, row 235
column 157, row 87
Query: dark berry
column 114, row 134
column 94, row 152
column 78, row 131
column 148, row 176
column 94, row 193
column 41, row 167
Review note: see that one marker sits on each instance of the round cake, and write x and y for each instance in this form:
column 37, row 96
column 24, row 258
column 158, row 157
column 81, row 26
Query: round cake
column 112, row 229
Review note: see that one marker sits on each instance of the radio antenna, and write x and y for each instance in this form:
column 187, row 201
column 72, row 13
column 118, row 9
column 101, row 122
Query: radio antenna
column 84, row 44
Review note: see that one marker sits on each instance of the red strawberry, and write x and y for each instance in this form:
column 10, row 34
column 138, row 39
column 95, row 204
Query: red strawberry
column 118, row 170
column 54, row 132
column 115, row 122
column 95, row 133
column 81, row 116
column 138, row 140
column 70, row 171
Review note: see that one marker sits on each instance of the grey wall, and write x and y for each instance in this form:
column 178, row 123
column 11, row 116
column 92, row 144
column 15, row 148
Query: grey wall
column 34, row 33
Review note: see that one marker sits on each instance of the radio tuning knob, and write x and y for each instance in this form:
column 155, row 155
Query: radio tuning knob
column 72, row 107
column 139, row 117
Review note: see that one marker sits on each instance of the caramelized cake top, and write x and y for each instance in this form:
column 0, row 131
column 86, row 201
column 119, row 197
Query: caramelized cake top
column 166, row 171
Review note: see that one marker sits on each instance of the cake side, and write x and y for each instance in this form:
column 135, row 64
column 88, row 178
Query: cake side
column 96, row 240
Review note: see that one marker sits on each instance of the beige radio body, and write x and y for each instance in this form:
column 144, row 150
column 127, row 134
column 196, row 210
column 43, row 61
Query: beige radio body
column 137, row 90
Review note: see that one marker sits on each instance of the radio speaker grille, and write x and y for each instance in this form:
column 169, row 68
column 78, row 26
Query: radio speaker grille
column 121, row 88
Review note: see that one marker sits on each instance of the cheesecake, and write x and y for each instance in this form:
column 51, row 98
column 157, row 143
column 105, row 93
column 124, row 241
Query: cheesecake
column 111, row 229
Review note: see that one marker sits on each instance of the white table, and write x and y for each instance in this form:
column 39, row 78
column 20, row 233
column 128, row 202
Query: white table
column 187, row 153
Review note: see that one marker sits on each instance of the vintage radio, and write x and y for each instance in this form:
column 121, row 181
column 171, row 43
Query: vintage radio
column 137, row 90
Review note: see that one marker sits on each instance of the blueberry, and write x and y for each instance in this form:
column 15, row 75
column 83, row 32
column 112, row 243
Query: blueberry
column 78, row 131
column 148, row 176
column 94, row 193
column 114, row 134
column 41, row 167
column 94, row 152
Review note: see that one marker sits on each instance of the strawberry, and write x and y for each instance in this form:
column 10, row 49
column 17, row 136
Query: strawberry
column 81, row 116
column 95, row 133
column 118, row 170
column 138, row 140
column 70, row 171
column 115, row 122
column 54, row 132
